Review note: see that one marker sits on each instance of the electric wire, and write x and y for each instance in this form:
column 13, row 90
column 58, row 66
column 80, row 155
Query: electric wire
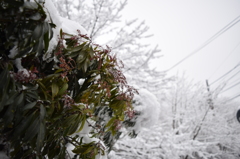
column 226, row 73
column 230, row 87
column 225, row 59
column 236, row 80
column 232, row 98
column 220, row 32
column 233, row 76
column 226, row 81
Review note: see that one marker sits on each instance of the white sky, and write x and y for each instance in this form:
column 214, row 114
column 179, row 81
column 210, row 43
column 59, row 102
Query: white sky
column 182, row 26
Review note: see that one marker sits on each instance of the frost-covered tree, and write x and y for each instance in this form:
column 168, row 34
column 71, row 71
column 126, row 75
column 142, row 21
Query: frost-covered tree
column 61, row 95
column 189, row 127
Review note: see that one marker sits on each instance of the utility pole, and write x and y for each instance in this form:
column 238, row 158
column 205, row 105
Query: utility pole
column 210, row 101
column 210, row 106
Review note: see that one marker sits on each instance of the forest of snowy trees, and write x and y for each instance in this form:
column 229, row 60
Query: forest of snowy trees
column 76, row 82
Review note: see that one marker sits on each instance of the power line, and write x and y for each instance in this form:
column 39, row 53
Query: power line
column 220, row 32
column 226, row 81
column 230, row 87
column 224, row 60
column 236, row 80
column 233, row 76
column 225, row 74
column 232, row 98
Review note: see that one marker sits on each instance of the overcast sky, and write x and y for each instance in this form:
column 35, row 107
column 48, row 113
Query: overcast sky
column 182, row 26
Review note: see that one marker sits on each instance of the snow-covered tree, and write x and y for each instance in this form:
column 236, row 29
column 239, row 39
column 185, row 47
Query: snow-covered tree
column 61, row 95
column 188, row 127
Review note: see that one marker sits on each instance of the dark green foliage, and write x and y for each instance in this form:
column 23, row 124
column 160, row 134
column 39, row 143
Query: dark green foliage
column 23, row 23
column 43, row 105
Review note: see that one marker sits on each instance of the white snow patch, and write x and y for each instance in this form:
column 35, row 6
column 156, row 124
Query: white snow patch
column 54, row 14
column 13, row 52
column 86, row 139
column 18, row 63
column 36, row 16
column 30, row 5
column 71, row 27
column 81, row 81
column 149, row 107
column 24, row 72
column 55, row 17
column 68, row 26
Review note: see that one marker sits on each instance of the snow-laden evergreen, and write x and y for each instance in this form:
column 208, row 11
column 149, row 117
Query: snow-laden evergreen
column 65, row 96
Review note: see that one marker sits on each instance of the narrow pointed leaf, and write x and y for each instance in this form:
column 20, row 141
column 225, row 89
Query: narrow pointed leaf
column 55, row 89
column 29, row 106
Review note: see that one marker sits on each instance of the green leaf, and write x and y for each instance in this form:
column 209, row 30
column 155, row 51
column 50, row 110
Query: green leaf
column 3, row 101
column 103, row 152
column 37, row 33
column 31, row 87
column 29, row 106
column 50, row 30
column 83, row 148
column 110, row 122
column 23, row 52
column 91, row 52
column 81, row 58
column 76, row 49
column 38, row 47
column 58, row 70
column 47, row 30
column 73, row 54
column 22, row 127
column 61, row 33
column 55, row 89
column 50, row 109
column 85, row 66
column 63, row 89
column 8, row 116
column 81, row 140
column 75, row 125
column 40, row 137
column 89, row 149
column 12, row 98
column 85, row 111
column 19, row 99
column 32, row 94
column 46, row 41
column 82, row 124
column 45, row 27
column 3, row 79
column 32, row 130
column 79, row 150
column 44, row 90
column 42, row 112
column 70, row 120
